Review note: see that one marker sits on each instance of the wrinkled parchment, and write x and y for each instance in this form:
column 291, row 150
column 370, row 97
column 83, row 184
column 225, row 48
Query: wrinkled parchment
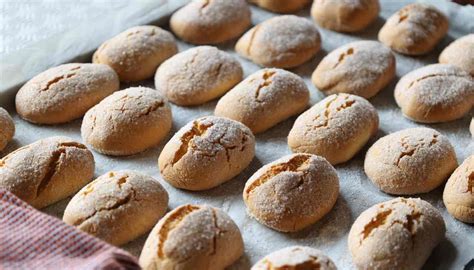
column 66, row 35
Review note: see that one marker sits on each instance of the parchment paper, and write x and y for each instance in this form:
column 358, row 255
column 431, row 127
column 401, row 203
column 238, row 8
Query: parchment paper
column 67, row 34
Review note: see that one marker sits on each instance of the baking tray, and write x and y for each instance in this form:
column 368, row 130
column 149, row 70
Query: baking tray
column 357, row 192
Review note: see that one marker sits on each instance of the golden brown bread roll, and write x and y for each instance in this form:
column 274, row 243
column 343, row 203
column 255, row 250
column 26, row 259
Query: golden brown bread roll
column 198, row 75
column 118, row 206
column 47, row 170
column 206, row 153
column 345, row 15
column 414, row 30
column 136, row 53
column 336, row 128
column 295, row 258
column 127, row 122
column 264, row 99
column 283, row 42
column 410, row 161
column 435, row 93
column 197, row 237
column 360, row 68
column 396, row 234
column 458, row 193
column 64, row 93
column 460, row 53
column 281, row 6
column 292, row 192
column 211, row 21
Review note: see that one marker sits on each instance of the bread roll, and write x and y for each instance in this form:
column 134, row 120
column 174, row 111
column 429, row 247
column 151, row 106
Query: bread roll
column 127, row 122
column 64, row 93
column 47, row 170
column 458, row 193
column 336, row 128
column 295, row 258
column 198, row 75
column 136, row 53
column 360, row 68
column 281, row 6
column 264, row 99
column 396, row 234
column 435, row 93
column 414, row 30
column 283, row 42
column 345, row 15
column 118, row 206
column 292, row 192
column 410, row 161
column 206, row 153
column 460, row 53
column 211, row 21
column 197, row 237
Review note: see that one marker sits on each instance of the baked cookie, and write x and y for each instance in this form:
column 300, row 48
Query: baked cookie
column 284, row 42
column 264, row 99
column 415, row 29
column 360, row 68
column 211, row 21
column 460, row 53
column 345, row 15
column 458, row 193
column 435, row 93
column 198, row 75
column 336, row 128
column 206, row 153
column 292, row 192
column 136, row 53
column 410, row 161
column 411, row 227
column 197, row 237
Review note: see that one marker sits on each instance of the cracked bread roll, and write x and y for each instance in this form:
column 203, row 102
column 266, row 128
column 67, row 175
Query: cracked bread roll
column 197, row 237
column 295, row 258
column 435, row 93
column 410, row 161
column 127, row 122
column 7, row 128
column 284, row 42
column 336, row 128
column 415, row 29
column 345, row 15
column 64, row 93
column 292, row 193
column 47, row 170
column 396, row 234
column 360, row 68
column 198, row 75
column 206, row 153
column 264, row 99
column 211, row 21
column 458, row 193
column 118, row 206
column 460, row 53
column 281, row 6
column 136, row 53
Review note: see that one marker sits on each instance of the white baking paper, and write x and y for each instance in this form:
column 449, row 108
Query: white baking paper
column 75, row 28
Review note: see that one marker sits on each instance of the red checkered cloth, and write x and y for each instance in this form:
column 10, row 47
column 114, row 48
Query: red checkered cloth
column 30, row 239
